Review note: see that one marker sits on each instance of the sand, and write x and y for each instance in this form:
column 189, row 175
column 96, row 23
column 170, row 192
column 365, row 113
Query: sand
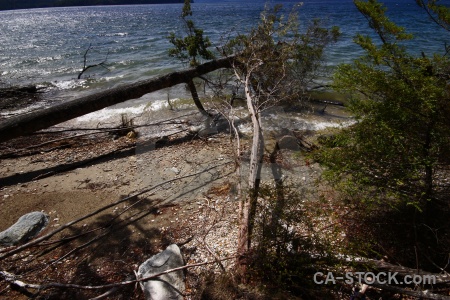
column 178, row 188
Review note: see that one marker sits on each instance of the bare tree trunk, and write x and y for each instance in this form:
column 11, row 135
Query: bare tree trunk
column 196, row 99
column 28, row 123
column 248, row 204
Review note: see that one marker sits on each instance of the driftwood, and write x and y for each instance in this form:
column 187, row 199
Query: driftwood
column 28, row 123
column 381, row 265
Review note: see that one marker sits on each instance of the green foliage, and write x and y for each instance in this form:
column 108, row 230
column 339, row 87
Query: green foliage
column 283, row 61
column 440, row 14
column 194, row 45
column 310, row 50
column 401, row 104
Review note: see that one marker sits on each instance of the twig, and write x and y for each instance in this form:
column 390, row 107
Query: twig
column 43, row 175
column 217, row 260
column 442, row 269
column 106, row 294
column 107, row 229
column 11, row 278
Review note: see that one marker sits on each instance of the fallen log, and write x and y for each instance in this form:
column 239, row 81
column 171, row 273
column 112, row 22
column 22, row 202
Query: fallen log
column 44, row 118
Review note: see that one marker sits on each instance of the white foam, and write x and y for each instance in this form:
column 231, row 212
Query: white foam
column 109, row 78
column 323, row 125
column 110, row 113
column 158, row 105
column 21, row 111
column 69, row 84
column 312, row 124
column 245, row 128
column 117, row 34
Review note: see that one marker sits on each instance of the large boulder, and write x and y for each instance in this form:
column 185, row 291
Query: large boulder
column 167, row 286
column 27, row 227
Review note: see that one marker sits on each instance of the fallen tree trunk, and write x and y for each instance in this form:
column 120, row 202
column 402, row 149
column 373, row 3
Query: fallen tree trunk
column 29, row 123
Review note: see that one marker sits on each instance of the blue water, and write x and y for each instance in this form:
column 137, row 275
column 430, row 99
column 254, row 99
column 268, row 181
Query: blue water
column 46, row 46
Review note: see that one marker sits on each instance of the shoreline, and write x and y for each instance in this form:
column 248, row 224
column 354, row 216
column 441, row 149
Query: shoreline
column 68, row 3
column 143, row 225
column 190, row 183
column 130, row 163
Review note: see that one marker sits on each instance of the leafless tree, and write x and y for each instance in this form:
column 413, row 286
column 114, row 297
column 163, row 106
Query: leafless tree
column 87, row 67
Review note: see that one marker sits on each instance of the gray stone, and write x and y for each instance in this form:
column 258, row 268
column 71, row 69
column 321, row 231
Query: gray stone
column 206, row 128
column 175, row 170
column 27, row 227
column 289, row 142
column 167, row 286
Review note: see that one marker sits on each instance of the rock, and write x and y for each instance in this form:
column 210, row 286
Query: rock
column 205, row 129
column 27, row 227
column 167, row 286
column 175, row 170
column 289, row 142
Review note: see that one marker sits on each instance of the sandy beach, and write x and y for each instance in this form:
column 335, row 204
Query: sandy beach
column 163, row 188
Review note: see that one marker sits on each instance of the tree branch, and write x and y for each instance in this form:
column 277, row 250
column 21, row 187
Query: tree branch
column 85, row 68
column 12, row 279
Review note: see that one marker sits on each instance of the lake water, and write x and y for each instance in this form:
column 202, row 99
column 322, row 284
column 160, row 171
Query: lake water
column 46, row 46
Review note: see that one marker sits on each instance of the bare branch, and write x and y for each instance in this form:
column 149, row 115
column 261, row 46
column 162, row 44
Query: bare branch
column 12, row 279
column 87, row 67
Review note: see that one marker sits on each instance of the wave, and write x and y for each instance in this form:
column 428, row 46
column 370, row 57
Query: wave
column 70, row 84
column 114, row 113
